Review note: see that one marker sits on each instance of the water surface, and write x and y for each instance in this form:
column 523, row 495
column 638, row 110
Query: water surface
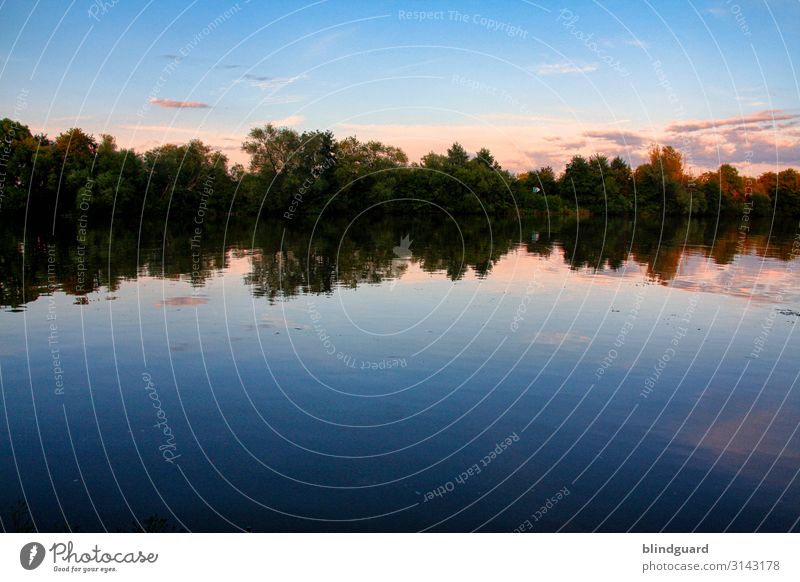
column 401, row 373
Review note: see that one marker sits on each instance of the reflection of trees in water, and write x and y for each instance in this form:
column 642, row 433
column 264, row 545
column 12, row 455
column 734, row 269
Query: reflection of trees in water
column 363, row 253
column 287, row 260
column 79, row 268
column 660, row 246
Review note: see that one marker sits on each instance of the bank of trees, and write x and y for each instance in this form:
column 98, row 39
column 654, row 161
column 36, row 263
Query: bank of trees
column 662, row 185
column 292, row 173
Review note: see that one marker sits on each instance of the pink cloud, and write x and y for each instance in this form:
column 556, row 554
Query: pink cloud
column 766, row 116
column 621, row 138
column 522, row 144
column 288, row 121
column 171, row 103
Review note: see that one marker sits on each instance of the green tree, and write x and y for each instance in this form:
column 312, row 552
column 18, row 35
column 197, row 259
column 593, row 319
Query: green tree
column 457, row 156
column 118, row 178
column 621, row 176
column 189, row 179
column 660, row 182
column 73, row 154
column 787, row 192
column 17, row 176
column 546, row 198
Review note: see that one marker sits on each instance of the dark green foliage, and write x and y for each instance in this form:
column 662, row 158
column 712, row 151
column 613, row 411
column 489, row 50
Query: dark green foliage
column 598, row 185
column 190, row 181
column 292, row 173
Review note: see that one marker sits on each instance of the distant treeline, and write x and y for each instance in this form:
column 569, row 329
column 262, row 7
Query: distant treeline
column 291, row 173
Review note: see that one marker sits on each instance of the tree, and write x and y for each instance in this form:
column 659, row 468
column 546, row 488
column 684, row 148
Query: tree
column 660, row 182
column 191, row 180
column 731, row 183
column 18, row 168
column 271, row 149
column 75, row 147
column 74, row 156
column 787, row 192
column 544, row 179
column 298, row 172
column 118, row 177
column 287, row 164
column 546, row 199
column 620, row 172
column 457, row 156
column 485, row 156
column 589, row 183
column 362, row 170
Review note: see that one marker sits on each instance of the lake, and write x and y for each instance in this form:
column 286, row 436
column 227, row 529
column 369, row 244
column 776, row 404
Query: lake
column 401, row 373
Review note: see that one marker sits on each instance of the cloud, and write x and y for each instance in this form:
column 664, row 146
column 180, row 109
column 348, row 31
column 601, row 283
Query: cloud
column 759, row 148
column 288, row 121
column 572, row 145
column 277, row 83
column 559, row 142
column 172, row 104
column 272, row 83
column 619, row 137
column 522, row 142
column 767, row 116
column 518, row 146
column 564, row 69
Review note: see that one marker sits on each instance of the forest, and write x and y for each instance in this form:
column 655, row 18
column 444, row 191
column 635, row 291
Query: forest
column 290, row 174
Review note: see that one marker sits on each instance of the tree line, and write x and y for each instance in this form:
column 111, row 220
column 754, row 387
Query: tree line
column 293, row 173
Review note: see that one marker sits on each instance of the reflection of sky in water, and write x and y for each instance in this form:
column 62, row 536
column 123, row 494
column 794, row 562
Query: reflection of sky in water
column 395, row 387
column 751, row 276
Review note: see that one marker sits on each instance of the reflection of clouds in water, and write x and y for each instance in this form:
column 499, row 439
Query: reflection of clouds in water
column 712, row 446
column 399, row 266
column 749, row 276
column 758, row 278
column 182, row 301
column 412, row 271
column 238, row 261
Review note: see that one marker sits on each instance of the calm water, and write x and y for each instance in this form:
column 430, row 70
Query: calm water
column 402, row 374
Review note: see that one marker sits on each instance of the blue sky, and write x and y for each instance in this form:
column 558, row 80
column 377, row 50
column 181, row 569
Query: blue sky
column 534, row 82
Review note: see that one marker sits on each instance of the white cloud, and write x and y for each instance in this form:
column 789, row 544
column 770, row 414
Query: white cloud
column 564, row 69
